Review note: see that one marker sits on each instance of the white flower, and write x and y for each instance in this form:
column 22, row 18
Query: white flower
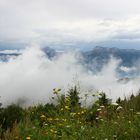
column 102, row 106
column 115, row 104
column 119, row 108
column 99, row 109
column 138, row 113
column 97, row 118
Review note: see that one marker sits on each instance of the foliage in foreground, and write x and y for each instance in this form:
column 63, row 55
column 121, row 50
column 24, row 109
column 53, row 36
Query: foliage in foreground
column 69, row 120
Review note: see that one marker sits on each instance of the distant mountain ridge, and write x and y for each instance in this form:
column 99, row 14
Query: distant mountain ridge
column 101, row 55
column 93, row 59
column 5, row 55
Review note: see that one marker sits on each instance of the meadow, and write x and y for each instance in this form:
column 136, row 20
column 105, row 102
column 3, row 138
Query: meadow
column 68, row 119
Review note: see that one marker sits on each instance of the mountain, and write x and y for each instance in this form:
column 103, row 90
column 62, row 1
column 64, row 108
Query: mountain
column 93, row 59
column 5, row 55
column 49, row 52
column 99, row 56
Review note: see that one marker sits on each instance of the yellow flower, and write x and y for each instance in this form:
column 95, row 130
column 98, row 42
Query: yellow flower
column 28, row 138
column 79, row 113
column 57, row 119
column 53, row 131
column 60, row 124
column 62, row 109
column 82, row 112
column 49, row 119
column 67, row 107
column 42, row 116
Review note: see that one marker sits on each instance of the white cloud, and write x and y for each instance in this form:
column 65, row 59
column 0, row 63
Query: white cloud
column 10, row 51
column 127, row 69
column 68, row 21
column 32, row 76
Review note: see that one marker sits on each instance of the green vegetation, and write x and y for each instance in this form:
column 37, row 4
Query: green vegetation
column 69, row 120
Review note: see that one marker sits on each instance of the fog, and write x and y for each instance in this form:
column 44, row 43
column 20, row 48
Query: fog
column 30, row 78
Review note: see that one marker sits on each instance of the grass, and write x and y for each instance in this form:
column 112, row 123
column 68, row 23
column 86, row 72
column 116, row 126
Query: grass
column 68, row 120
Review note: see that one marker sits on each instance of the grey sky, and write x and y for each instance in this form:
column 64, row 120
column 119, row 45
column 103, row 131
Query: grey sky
column 68, row 21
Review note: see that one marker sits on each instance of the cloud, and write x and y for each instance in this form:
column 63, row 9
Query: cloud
column 10, row 52
column 66, row 22
column 32, row 76
column 128, row 70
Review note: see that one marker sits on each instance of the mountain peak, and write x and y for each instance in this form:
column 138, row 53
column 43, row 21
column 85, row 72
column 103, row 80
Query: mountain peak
column 100, row 48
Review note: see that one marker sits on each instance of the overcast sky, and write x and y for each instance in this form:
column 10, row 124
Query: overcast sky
column 113, row 23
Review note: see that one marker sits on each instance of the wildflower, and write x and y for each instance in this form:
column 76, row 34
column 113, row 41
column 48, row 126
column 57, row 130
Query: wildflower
column 68, row 126
column 82, row 112
column 61, row 109
column 114, row 136
column 102, row 106
column 53, row 131
column 64, row 120
column 78, row 113
column 118, row 108
column 125, row 133
column 82, row 128
column 99, row 109
column 42, row 116
column 57, row 119
column 46, row 124
column 49, row 119
column 72, row 114
column 56, row 91
column 102, row 120
column 60, row 124
column 28, row 138
column 138, row 113
column 115, row 122
column 115, row 104
column 67, row 107
column 97, row 118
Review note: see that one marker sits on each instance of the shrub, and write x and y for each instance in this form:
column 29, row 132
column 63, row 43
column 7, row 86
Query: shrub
column 9, row 116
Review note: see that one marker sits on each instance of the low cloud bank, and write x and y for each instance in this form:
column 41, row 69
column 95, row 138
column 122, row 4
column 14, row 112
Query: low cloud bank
column 31, row 77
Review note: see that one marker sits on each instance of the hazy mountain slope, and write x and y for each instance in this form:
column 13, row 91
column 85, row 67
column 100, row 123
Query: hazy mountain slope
column 100, row 55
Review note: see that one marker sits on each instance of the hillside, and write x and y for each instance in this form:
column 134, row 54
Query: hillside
column 101, row 55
